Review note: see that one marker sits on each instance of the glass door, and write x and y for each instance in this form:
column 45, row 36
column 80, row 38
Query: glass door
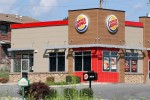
column 25, row 65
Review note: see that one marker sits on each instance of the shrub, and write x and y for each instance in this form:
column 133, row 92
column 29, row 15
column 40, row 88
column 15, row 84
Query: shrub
column 3, row 80
column 38, row 90
column 73, row 79
column 86, row 92
column 53, row 94
column 4, row 74
column 70, row 93
column 50, row 79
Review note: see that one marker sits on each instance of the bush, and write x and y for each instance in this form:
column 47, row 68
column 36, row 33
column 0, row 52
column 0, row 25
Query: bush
column 4, row 75
column 86, row 92
column 38, row 90
column 3, row 80
column 73, row 79
column 53, row 94
column 50, row 79
column 70, row 93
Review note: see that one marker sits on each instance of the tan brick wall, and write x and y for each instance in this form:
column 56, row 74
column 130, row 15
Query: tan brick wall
column 97, row 31
column 134, row 78
column 146, row 43
column 36, row 77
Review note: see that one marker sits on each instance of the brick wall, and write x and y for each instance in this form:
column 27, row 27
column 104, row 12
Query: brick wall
column 36, row 77
column 134, row 78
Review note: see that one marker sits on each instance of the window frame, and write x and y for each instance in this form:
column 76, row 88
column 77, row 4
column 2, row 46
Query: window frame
column 4, row 31
column 82, row 60
column 57, row 60
column 129, row 56
column 110, row 56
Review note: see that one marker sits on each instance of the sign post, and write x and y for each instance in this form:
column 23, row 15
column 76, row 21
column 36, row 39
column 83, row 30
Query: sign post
column 23, row 82
column 90, row 76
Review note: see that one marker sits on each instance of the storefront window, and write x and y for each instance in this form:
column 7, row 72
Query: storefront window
column 110, row 61
column 131, row 60
column 4, row 29
column 82, row 61
column 23, row 60
column 57, row 61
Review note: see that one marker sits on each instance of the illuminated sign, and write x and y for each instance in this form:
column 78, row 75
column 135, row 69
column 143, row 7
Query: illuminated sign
column 112, row 24
column 81, row 23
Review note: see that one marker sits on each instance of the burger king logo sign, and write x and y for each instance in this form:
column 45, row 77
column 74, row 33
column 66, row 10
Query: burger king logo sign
column 81, row 23
column 112, row 23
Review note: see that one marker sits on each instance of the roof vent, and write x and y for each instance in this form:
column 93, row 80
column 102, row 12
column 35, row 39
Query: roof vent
column 17, row 16
column 148, row 15
column 20, row 17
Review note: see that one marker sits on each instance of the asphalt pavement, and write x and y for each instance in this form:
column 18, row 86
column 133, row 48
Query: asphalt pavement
column 105, row 91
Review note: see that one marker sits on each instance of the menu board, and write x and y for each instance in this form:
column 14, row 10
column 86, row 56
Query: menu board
column 127, row 66
column 106, row 63
column 134, row 66
column 113, row 63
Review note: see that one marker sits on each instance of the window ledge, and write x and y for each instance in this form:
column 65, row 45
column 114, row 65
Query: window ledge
column 134, row 74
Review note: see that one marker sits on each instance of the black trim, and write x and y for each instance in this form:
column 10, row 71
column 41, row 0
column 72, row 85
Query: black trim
column 97, row 9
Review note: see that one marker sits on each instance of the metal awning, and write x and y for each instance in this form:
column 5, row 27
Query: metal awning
column 5, row 42
column 106, row 46
column 20, row 49
column 55, row 47
column 148, row 49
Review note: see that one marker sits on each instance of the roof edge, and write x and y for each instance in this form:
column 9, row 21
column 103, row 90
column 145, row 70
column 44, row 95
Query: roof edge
column 40, row 24
column 63, row 22
column 134, row 24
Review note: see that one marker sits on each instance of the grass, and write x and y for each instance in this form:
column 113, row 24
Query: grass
column 4, row 74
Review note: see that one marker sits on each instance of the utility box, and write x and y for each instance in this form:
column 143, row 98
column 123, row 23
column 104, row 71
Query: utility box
column 90, row 76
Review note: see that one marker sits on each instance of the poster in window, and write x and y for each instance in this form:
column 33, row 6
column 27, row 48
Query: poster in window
column 134, row 66
column 127, row 66
column 106, row 63
column 113, row 63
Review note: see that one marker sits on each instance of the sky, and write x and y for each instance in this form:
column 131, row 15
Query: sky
column 49, row 10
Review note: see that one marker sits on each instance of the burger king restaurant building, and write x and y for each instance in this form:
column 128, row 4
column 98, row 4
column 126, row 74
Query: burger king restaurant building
column 91, row 39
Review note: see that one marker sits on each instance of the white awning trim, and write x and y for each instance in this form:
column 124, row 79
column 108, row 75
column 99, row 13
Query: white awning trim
column 94, row 45
column 20, row 49
column 55, row 47
column 106, row 46
column 4, row 42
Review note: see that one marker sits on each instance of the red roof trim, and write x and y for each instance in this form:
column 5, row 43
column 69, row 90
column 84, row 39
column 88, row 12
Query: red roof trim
column 63, row 22
column 40, row 24
column 133, row 24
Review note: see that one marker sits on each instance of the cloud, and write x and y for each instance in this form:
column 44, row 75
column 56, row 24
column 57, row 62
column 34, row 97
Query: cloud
column 138, row 6
column 44, row 6
column 6, row 5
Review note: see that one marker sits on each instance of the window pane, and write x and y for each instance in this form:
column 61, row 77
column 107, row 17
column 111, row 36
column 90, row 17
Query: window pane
column 106, row 53
column 61, row 54
column 114, row 53
column 4, row 29
column 17, row 63
column 78, row 63
column 78, row 53
column 52, row 63
column 86, row 53
column 25, row 56
column 113, row 64
column 106, row 65
column 52, row 54
column 127, row 65
column 61, row 63
column 87, row 63
column 134, row 66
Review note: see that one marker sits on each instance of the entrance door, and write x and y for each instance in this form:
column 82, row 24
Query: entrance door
column 25, row 66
